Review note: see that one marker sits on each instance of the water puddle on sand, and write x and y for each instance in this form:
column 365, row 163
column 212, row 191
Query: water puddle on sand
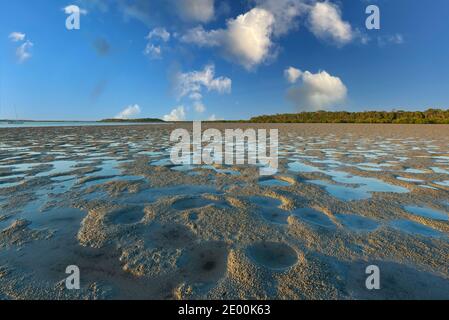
column 97, row 180
column 274, row 183
column 191, row 203
column 342, row 192
column 357, row 223
column 409, row 180
column 313, row 216
column 273, row 255
column 443, row 183
column 440, row 170
column 301, row 167
column 412, row 170
column 361, row 189
column 4, row 185
column 414, row 228
column 153, row 194
column 427, row 213
column 187, row 168
column 59, row 167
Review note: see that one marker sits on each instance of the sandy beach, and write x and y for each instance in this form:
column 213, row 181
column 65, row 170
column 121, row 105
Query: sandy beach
column 108, row 200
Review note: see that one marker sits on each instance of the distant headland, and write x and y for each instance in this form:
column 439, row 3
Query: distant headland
column 143, row 120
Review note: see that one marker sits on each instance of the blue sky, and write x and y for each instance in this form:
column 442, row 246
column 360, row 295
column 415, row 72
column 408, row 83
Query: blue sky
column 212, row 59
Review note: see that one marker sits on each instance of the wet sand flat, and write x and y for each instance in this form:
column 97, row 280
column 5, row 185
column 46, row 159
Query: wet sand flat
column 108, row 200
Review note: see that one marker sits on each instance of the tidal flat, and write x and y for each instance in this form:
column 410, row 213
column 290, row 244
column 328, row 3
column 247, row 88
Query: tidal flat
column 108, row 200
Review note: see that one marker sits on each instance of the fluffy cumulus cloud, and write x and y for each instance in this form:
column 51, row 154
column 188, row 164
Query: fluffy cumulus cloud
column 246, row 39
column 292, row 74
column 317, row 91
column 250, row 38
column 177, row 114
column 129, row 112
column 326, row 23
column 192, row 84
column 195, row 10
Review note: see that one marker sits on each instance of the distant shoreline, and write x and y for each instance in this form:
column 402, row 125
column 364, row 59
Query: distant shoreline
column 431, row 116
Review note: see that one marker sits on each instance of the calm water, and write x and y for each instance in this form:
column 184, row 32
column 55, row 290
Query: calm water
column 4, row 124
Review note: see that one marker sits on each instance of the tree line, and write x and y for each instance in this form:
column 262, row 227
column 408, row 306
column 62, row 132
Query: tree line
column 431, row 116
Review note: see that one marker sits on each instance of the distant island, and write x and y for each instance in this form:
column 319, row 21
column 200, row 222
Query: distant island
column 143, row 120
column 431, row 116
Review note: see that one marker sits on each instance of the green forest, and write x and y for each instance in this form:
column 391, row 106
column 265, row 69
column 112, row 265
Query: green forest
column 431, row 116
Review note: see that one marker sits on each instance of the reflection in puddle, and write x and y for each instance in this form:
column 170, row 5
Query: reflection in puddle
column 440, row 170
column 443, row 183
column 274, row 183
column 415, row 228
column 362, row 189
column 409, row 180
column 427, row 213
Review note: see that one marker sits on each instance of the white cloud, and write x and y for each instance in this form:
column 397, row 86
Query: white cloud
column 246, row 40
column 202, row 38
column 177, row 114
column 196, row 10
column 326, row 23
column 129, row 112
column 248, row 37
column 292, row 74
column 159, row 33
column 285, row 12
column 71, row 9
column 22, row 52
column 317, row 91
column 155, row 37
column 17, row 36
column 191, row 83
